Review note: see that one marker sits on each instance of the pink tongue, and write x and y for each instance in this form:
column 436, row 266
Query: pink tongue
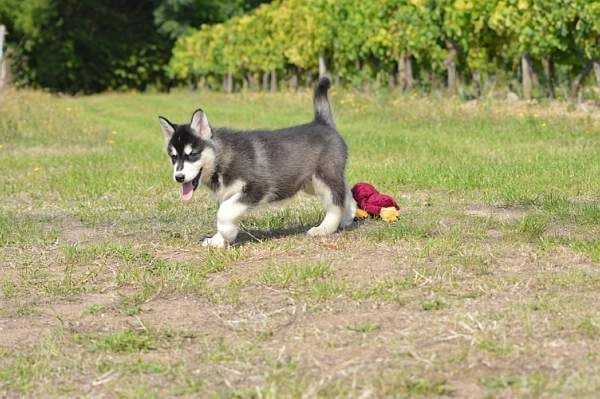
column 187, row 190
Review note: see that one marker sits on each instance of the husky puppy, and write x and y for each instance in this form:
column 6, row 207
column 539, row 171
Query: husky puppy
column 244, row 169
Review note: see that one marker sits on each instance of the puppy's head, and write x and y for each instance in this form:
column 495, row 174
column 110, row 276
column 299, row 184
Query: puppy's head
column 190, row 149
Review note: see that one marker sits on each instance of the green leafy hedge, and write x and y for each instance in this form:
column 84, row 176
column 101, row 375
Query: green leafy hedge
column 400, row 40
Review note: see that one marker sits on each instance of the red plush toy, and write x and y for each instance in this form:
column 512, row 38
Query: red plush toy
column 372, row 202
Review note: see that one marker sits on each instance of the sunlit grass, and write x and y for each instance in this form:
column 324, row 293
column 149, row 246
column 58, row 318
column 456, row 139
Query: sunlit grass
column 492, row 262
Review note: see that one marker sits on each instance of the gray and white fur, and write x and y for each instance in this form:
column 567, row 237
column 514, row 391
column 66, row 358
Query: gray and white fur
column 245, row 169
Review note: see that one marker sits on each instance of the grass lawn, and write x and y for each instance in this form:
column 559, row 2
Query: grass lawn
column 486, row 286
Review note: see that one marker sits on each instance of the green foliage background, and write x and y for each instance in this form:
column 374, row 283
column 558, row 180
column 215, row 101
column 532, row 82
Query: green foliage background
column 95, row 45
column 365, row 40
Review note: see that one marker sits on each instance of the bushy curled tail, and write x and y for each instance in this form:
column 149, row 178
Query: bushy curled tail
column 323, row 112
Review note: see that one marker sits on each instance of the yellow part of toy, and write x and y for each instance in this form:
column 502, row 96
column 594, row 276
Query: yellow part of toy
column 361, row 214
column 389, row 214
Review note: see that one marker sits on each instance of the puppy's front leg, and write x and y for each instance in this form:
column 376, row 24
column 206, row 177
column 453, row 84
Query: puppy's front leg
column 228, row 214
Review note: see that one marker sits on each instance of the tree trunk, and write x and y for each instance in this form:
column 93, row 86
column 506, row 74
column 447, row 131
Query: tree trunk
column 228, row 82
column 192, row 84
column 408, row 72
column 527, row 79
column 251, row 81
column 202, row 83
column 273, row 81
column 435, row 83
column 450, row 64
column 322, row 66
column 580, row 78
column 265, row 81
column 400, row 73
column 477, row 83
column 405, row 75
column 294, row 79
column 2, row 63
column 309, row 79
column 393, row 77
column 597, row 72
column 549, row 71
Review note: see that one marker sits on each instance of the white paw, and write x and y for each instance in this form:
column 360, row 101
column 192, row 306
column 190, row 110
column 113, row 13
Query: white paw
column 216, row 241
column 318, row 231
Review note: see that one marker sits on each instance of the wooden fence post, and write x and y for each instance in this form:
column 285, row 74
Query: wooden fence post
column 2, row 63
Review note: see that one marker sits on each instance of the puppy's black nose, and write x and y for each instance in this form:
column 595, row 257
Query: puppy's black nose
column 180, row 178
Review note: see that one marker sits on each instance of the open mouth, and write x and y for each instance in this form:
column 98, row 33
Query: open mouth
column 187, row 189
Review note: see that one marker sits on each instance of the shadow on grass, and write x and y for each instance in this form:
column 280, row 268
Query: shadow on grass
column 253, row 235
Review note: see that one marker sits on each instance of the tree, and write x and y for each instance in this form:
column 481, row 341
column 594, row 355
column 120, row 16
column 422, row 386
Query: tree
column 94, row 45
column 365, row 40
column 587, row 38
column 307, row 28
column 415, row 35
column 465, row 28
column 177, row 17
column 538, row 29
column 2, row 63
column 85, row 46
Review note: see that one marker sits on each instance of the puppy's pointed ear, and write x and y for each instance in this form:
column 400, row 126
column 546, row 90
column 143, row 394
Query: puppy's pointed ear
column 200, row 125
column 167, row 127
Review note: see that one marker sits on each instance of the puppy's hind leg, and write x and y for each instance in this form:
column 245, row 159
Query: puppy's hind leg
column 332, row 198
column 349, row 209
column 228, row 214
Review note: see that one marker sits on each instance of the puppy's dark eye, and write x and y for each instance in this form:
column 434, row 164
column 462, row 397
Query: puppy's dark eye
column 173, row 157
column 193, row 156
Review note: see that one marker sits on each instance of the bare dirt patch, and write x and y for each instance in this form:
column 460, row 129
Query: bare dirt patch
column 502, row 214
column 183, row 313
column 365, row 266
column 75, row 232
column 23, row 331
column 572, row 232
